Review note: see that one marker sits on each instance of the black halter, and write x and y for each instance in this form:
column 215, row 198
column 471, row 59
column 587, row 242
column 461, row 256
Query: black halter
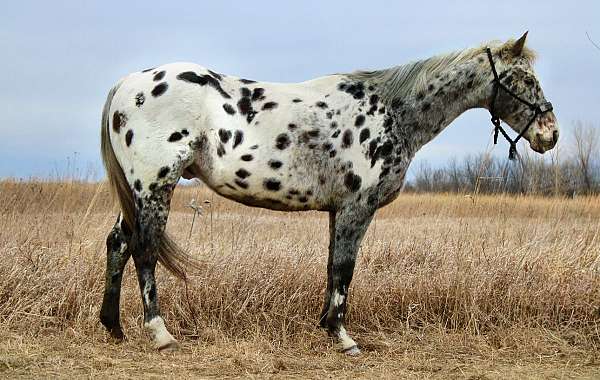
column 538, row 109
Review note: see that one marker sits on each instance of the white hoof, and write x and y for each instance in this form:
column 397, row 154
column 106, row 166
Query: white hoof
column 352, row 351
column 170, row 347
column 163, row 340
column 347, row 345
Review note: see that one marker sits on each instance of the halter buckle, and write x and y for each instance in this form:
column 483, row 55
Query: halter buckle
column 545, row 107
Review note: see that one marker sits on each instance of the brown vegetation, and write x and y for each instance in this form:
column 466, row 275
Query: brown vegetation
column 445, row 286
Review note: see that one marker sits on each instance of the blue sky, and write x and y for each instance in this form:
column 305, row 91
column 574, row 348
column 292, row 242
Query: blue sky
column 60, row 58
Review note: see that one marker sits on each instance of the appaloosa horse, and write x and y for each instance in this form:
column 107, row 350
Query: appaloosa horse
column 340, row 143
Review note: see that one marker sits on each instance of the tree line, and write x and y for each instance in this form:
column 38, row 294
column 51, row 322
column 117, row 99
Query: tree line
column 573, row 168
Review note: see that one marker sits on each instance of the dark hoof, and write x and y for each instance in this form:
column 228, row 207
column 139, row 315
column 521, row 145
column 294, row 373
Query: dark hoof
column 117, row 335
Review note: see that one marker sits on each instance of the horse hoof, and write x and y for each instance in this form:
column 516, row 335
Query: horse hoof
column 117, row 335
column 170, row 347
column 352, row 351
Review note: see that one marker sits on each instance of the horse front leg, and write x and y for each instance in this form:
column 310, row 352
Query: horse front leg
column 347, row 228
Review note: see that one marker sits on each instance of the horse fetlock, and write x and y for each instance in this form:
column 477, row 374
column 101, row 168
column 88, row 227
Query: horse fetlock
column 112, row 325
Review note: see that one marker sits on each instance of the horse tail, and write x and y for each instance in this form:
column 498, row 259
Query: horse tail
column 116, row 178
column 169, row 254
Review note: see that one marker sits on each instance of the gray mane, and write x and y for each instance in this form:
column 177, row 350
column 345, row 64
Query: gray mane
column 411, row 78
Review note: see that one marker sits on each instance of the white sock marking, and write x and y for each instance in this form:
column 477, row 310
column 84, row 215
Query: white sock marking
column 159, row 332
column 344, row 339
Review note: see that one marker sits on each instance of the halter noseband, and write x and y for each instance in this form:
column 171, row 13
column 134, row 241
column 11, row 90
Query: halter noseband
column 538, row 109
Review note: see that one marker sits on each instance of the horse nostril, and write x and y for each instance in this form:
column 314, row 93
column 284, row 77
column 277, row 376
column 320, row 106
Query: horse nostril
column 555, row 136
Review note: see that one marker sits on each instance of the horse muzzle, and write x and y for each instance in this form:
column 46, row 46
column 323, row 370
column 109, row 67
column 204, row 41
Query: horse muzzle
column 545, row 135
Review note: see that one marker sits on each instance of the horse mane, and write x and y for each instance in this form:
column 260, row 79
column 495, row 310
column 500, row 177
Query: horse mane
column 412, row 78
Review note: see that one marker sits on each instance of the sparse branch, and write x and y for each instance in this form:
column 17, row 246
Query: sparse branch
column 592, row 41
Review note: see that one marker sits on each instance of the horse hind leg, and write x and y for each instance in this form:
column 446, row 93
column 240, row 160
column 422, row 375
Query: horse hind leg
column 117, row 255
column 151, row 241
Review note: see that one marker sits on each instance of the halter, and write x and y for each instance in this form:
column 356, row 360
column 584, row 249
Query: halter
column 538, row 109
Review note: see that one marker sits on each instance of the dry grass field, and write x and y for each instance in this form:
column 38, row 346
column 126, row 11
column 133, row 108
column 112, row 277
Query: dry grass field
column 446, row 286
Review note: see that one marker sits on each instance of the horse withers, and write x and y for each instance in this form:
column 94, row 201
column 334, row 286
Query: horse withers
column 340, row 143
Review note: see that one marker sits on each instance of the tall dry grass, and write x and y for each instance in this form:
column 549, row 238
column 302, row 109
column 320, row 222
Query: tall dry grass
column 428, row 263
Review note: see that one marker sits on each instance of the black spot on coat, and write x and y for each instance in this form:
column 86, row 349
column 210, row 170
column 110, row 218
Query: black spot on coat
column 364, row 135
column 175, row 136
column 275, row 164
column 119, row 120
column 269, row 106
column 162, row 173
column 192, row 77
column 139, row 99
column 258, row 94
column 242, row 173
column 352, row 181
column 245, row 108
column 128, row 137
column 159, row 89
column 238, row 137
column 247, row 157
column 272, row 184
column 382, row 151
column 282, row 141
column 137, row 185
column 347, row 139
column 360, row 120
column 229, row 108
column 224, row 135
column 159, row 76
column 220, row 150
column 354, row 89
column 373, row 100
column 247, row 81
column 322, row 105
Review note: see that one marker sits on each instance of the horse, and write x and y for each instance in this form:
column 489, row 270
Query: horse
column 340, row 143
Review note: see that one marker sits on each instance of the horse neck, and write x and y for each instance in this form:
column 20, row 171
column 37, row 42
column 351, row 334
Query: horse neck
column 441, row 99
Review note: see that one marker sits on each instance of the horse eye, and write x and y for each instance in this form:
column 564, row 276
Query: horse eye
column 529, row 82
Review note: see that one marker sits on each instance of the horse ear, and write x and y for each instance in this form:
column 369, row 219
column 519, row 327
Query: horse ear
column 517, row 48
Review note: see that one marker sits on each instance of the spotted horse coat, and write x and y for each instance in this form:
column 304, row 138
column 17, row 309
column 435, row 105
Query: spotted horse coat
column 340, row 143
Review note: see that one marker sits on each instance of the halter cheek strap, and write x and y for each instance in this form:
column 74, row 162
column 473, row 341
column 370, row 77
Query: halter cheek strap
column 538, row 109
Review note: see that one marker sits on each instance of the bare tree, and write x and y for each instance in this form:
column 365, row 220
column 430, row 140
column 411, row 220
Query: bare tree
column 586, row 154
